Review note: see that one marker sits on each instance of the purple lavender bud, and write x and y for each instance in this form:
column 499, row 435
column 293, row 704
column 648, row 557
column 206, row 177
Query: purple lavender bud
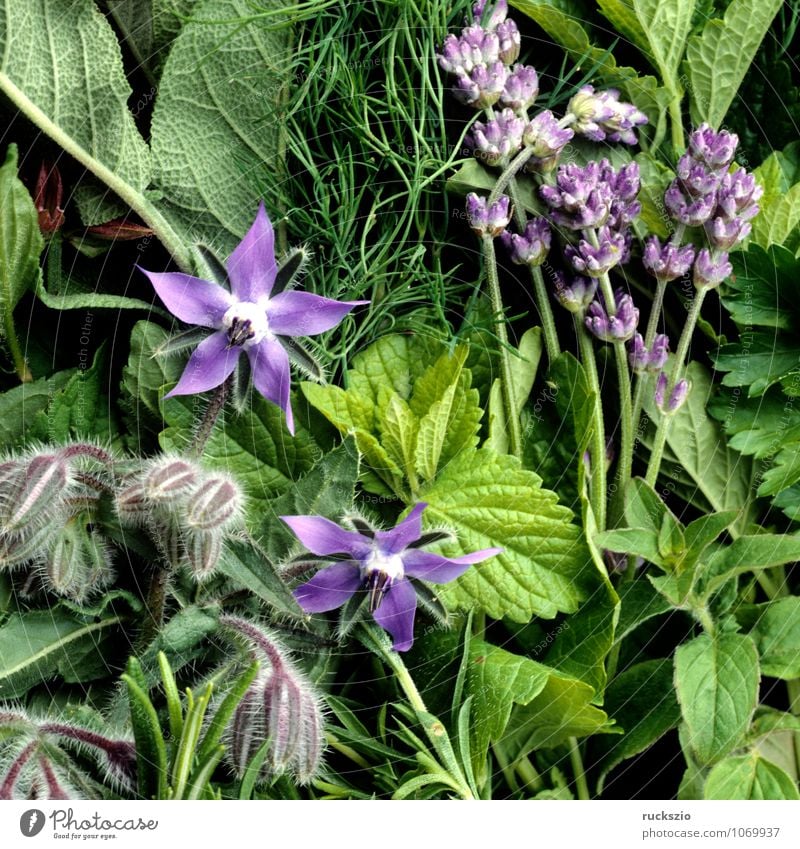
column 660, row 390
column 624, row 183
column 667, row 262
column 521, row 89
column 611, row 328
column 532, row 246
column 724, row 234
column 678, row 395
column 482, row 86
column 547, row 139
column 689, row 211
column 715, row 149
column 580, row 199
column 496, row 141
column 498, row 13
column 600, row 116
column 577, row 295
column 738, row 195
column 215, row 505
column 642, row 359
column 280, row 707
column 168, row 480
column 508, row 34
column 696, row 178
column 493, row 219
column 474, row 48
column 710, row 270
column 597, row 261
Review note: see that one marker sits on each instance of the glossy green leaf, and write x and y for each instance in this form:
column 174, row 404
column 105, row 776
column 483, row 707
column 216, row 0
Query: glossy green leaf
column 717, row 684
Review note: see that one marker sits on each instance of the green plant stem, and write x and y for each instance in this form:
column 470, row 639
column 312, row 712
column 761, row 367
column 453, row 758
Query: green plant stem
column 509, row 173
column 135, row 199
column 676, row 125
column 656, row 455
column 598, row 467
column 625, row 464
column 577, row 769
column 527, row 772
column 650, row 334
column 214, row 408
column 509, row 399
column 10, row 333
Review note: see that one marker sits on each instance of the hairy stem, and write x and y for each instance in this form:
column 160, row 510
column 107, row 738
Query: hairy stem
column 509, row 395
column 598, row 454
column 654, row 465
column 214, row 408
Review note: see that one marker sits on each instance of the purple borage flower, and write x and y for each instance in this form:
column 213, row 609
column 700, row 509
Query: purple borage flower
column 252, row 317
column 381, row 562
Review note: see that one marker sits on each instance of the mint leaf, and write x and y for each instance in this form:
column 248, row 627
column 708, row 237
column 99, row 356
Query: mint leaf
column 717, row 684
column 749, row 777
column 488, row 501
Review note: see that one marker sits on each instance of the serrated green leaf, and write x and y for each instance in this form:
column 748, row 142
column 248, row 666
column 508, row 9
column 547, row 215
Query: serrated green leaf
column 623, row 16
column 779, row 206
column 718, row 58
column 717, row 684
column 749, row 777
column 764, row 287
column 221, row 83
column 775, row 627
column 34, row 643
column 398, row 428
column 489, row 501
column 766, row 359
column 21, row 241
column 784, row 473
column 642, row 702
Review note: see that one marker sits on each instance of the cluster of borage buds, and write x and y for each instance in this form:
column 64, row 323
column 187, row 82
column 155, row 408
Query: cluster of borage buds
column 188, row 511
column 47, row 497
column 280, row 708
column 37, row 758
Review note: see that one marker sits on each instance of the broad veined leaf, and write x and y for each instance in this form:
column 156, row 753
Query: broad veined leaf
column 489, row 501
column 717, row 684
column 784, row 473
column 80, row 104
column 639, row 601
column 749, row 777
column 34, row 644
column 215, row 129
column 718, row 58
column 768, row 358
column 779, row 207
column 666, row 25
column 21, row 242
column 642, row 702
column 21, row 406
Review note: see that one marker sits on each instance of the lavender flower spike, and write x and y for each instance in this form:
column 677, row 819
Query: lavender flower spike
column 496, row 141
column 642, row 359
column 711, row 269
column 667, row 262
column 715, row 149
column 522, row 88
column 251, row 318
column 530, row 248
column 547, row 139
column 613, row 328
column 595, row 262
column 379, row 561
column 602, row 115
column 488, row 219
column 577, row 295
